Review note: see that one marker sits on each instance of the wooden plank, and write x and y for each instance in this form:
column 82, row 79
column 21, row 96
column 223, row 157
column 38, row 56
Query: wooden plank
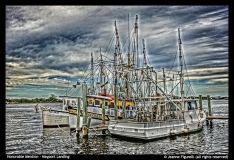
column 98, row 128
column 217, row 117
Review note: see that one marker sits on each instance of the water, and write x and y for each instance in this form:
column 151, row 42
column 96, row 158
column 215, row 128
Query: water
column 24, row 134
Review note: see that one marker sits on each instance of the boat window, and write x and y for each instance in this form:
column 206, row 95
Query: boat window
column 90, row 102
column 73, row 102
column 191, row 105
column 172, row 107
column 179, row 105
column 119, row 107
column 97, row 102
column 112, row 105
column 106, row 104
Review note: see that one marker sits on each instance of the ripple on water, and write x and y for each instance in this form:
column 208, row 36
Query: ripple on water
column 25, row 135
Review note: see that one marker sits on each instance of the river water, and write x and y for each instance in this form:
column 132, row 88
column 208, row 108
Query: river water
column 24, row 134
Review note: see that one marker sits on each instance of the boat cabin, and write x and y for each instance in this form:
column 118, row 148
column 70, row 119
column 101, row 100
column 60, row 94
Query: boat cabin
column 189, row 104
column 96, row 101
column 69, row 102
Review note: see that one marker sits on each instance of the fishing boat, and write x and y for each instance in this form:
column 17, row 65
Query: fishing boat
column 68, row 115
column 137, row 103
column 159, row 113
column 54, row 118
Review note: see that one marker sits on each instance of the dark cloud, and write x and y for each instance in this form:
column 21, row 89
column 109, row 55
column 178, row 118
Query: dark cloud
column 54, row 40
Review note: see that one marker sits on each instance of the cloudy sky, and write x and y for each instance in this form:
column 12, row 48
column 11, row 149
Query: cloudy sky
column 48, row 47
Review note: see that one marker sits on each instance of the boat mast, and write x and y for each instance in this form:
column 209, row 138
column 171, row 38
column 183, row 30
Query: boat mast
column 129, row 62
column 118, row 47
column 164, row 82
column 147, row 70
column 92, row 78
column 181, row 71
column 115, row 85
column 145, row 63
column 156, row 81
column 172, row 87
column 137, row 56
column 101, row 70
column 136, row 31
column 128, row 55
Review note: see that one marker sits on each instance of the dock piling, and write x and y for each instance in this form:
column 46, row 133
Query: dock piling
column 124, row 109
column 88, row 122
column 200, row 102
column 103, row 111
column 78, row 117
column 84, row 126
column 209, row 105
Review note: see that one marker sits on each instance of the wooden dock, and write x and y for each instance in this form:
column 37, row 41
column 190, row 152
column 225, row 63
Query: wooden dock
column 217, row 117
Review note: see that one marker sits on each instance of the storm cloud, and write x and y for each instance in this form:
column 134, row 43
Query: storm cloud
column 57, row 41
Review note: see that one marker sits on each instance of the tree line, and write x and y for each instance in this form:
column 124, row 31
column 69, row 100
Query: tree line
column 51, row 99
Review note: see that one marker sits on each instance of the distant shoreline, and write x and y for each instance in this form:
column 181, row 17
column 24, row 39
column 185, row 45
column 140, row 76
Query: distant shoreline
column 33, row 103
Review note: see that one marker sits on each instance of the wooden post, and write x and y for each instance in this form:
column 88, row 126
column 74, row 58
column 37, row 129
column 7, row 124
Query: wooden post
column 209, row 106
column 103, row 111
column 151, row 112
column 78, row 117
column 157, row 112
column 88, row 122
column 200, row 102
column 124, row 108
column 84, row 126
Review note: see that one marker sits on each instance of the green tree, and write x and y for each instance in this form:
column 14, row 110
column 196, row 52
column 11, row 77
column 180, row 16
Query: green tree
column 22, row 100
column 52, row 98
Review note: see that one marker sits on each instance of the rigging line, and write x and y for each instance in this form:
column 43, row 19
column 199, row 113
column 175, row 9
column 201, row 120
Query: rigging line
column 148, row 58
column 88, row 72
column 78, row 90
column 128, row 36
column 85, row 71
column 106, row 58
column 65, row 91
column 173, row 63
column 190, row 88
column 111, row 41
column 69, row 91
column 72, row 92
column 108, row 69
column 187, row 71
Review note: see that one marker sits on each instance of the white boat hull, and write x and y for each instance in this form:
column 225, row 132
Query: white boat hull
column 153, row 130
column 53, row 118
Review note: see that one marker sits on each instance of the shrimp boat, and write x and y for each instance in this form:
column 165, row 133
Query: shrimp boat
column 159, row 113
column 139, row 101
column 68, row 115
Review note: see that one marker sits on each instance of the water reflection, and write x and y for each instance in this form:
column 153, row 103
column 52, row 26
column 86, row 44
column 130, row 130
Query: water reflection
column 25, row 135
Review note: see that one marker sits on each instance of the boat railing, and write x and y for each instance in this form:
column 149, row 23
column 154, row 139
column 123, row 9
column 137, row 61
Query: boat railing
column 172, row 123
